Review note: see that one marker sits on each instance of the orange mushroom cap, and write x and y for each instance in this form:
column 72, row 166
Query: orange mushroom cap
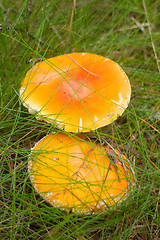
column 78, row 91
column 74, row 174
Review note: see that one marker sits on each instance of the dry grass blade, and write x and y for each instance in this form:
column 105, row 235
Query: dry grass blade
column 150, row 33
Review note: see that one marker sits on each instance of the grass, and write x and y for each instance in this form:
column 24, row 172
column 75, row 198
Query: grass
column 127, row 32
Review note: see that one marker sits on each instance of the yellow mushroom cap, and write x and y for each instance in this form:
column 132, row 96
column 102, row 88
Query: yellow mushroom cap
column 78, row 91
column 74, row 174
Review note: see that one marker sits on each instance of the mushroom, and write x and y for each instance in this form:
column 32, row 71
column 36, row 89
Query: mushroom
column 71, row 173
column 78, row 91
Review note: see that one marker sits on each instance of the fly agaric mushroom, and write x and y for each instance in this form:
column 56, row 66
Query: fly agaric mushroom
column 78, row 91
column 74, row 174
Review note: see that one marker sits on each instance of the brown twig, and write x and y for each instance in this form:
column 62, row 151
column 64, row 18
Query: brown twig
column 18, row 140
column 107, row 172
column 113, row 161
column 150, row 33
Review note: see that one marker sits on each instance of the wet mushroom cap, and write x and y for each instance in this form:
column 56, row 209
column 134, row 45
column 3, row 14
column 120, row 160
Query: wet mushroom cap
column 74, row 174
column 78, row 91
